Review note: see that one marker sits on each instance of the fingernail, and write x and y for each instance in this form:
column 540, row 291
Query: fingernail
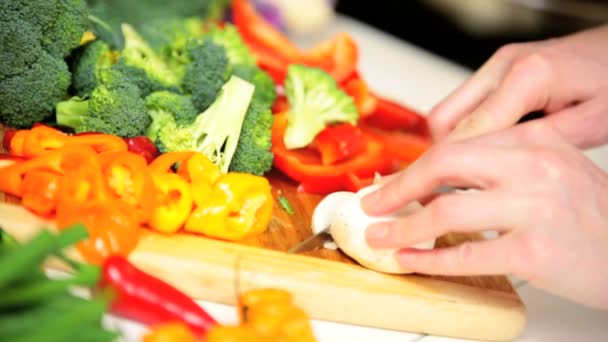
column 376, row 232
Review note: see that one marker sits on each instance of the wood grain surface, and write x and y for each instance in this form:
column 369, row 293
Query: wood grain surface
column 327, row 283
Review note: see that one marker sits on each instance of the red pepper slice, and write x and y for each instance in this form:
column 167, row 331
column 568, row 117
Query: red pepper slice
column 274, row 64
column 338, row 56
column 364, row 100
column 404, row 146
column 339, row 142
column 305, row 166
column 6, row 139
column 391, row 115
column 254, row 28
column 147, row 299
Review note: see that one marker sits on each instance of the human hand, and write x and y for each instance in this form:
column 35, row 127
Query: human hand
column 566, row 78
column 546, row 199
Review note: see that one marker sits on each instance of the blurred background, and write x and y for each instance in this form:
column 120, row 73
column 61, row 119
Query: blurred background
column 467, row 32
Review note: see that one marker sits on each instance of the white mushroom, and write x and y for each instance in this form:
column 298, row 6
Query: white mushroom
column 343, row 213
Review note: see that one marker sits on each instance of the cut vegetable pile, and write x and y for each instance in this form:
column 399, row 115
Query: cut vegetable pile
column 166, row 117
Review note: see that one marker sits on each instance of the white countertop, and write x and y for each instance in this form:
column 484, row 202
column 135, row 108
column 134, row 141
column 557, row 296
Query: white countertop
column 419, row 79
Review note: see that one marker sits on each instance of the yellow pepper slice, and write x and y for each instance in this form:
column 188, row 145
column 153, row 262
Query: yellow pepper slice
column 175, row 202
column 239, row 206
column 199, row 168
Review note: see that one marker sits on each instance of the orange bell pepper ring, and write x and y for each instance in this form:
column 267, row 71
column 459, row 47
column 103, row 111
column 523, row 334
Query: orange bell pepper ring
column 239, row 206
column 170, row 332
column 166, row 162
column 60, row 160
column 175, row 202
column 17, row 141
column 113, row 228
column 41, row 192
column 129, row 181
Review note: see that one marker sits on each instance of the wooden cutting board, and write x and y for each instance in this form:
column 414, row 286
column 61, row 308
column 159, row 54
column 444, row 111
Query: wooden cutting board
column 325, row 283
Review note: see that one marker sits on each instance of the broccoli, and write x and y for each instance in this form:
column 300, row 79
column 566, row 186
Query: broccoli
column 115, row 107
column 206, row 73
column 179, row 106
column 29, row 97
column 35, row 37
column 253, row 153
column 86, row 63
column 265, row 92
column 216, row 131
column 315, row 100
column 230, row 39
column 143, row 66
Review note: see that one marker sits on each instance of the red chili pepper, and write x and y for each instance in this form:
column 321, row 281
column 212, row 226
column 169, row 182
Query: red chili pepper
column 143, row 146
column 339, row 142
column 149, row 300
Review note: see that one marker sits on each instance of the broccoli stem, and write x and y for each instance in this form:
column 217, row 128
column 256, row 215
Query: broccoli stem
column 71, row 112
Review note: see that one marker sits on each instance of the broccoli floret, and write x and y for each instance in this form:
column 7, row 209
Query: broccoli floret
column 87, row 62
column 65, row 31
column 143, row 66
column 179, row 106
column 29, row 97
column 21, row 47
column 115, row 107
column 265, row 88
column 206, row 73
column 35, row 36
column 216, row 131
column 315, row 100
column 253, row 153
column 230, row 39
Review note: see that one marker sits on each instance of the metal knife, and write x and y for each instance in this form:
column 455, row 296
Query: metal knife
column 317, row 240
column 313, row 242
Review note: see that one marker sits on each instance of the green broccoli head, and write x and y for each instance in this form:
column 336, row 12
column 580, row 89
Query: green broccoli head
column 315, row 101
column 179, row 106
column 252, row 154
column 59, row 24
column 230, row 39
column 88, row 60
column 216, row 131
column 143, row 66
column 115, row 107
column 265, row 88
column 21, row 47
column 30, row 96
column 206, row 73
column 64, row 32
column 35, row 36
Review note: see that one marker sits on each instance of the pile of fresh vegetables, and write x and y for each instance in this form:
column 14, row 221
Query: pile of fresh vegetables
column 208, row 76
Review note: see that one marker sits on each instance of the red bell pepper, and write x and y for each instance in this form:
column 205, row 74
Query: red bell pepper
column 256, row 30
column 338, row 56
column 147, row 299
column 403, row 146
column 390, row 115
column 305, row 166
column 339, row 142
column 9, row 133
column 364, row 100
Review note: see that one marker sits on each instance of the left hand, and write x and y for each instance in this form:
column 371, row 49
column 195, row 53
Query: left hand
column 548, row 201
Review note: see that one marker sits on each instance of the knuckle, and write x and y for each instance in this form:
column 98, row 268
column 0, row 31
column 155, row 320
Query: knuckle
column 442, row 207
column 532, row 253
column 545, row 207
column 465, row 253
column 547, row 164
column 507, row 52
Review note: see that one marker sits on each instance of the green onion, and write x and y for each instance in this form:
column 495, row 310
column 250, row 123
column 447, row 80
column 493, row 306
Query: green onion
column 284, row 202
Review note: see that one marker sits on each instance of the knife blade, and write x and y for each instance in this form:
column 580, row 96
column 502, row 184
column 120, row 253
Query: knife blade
column 313, row 242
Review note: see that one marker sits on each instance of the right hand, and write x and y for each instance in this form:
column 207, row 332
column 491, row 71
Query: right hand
column 566, row 78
